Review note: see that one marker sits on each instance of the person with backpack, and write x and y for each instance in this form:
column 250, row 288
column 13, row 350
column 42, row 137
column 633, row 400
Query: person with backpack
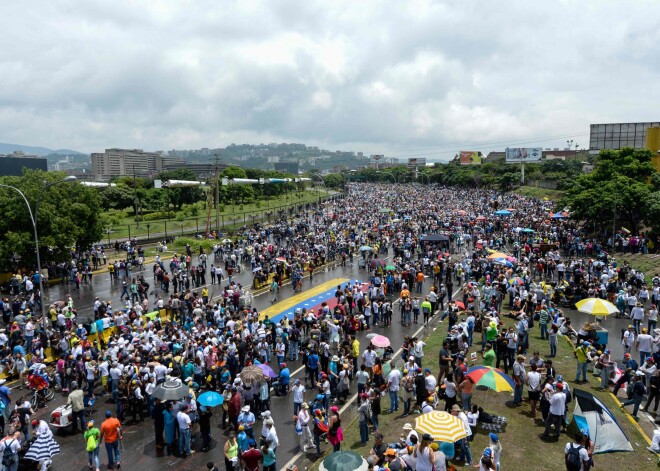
column 92, row 441
column 576, row 456
column 9, row 447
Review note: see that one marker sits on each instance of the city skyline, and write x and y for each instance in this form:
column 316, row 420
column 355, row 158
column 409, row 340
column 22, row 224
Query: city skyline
column 417, row 79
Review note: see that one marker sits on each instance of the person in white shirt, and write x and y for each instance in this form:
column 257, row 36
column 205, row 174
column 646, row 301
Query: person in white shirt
column 644, row 344
column 298, row 391
column 557, row 410
column 418, row 351
column 302, row 428
column 393, row 382
column 183, row 419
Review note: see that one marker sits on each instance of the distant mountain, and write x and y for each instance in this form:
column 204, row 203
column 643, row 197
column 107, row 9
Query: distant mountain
column 41, row 151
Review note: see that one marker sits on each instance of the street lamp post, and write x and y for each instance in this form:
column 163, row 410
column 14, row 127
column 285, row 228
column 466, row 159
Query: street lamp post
column 33, row 220
column 319, row 188
column 390, row 174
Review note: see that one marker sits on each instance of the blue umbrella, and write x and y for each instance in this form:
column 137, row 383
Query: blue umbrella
column 558, row 216
column 210, row 399
column 529, row 231
column 503, row 212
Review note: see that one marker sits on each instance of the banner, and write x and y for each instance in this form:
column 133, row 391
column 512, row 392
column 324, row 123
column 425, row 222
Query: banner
column 523, row 154
column 469, row 157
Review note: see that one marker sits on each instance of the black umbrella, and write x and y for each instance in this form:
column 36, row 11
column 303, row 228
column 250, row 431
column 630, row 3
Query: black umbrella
column 170, row 391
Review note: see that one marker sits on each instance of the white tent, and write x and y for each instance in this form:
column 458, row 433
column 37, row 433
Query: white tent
column 592, row 415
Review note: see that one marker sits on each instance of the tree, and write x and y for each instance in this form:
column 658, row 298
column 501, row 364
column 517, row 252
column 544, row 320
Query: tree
column 619, row 190
column 69, row 216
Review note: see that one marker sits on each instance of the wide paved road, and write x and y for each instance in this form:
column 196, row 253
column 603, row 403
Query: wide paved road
column 139, row 439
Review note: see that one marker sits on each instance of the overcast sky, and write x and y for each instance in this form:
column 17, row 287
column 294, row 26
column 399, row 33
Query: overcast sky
column 401, row 78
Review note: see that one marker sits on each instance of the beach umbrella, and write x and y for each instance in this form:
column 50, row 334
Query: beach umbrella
column 365, row 248
column 497, row 255
column 211, row 399
column 596, row 307
column 377, row 262
column 492, row 378
column 43, row 448
column 267, row 370
column 442, row 426
column 503, row 212
column 380, row 341
column 252, row 374
column 170, row 391
column 517, row 281
column 344, row 461
column 390, row 267
column 460, row 304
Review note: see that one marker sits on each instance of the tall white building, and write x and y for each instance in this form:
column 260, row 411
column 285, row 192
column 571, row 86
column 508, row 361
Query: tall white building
column 126, row 162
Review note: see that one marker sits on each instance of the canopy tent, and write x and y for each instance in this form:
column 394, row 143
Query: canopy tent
column 592, row 415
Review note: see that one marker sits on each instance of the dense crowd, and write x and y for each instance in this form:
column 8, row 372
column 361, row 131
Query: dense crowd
column 418, row 243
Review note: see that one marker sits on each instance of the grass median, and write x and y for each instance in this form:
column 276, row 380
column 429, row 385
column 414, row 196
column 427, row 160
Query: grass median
column 522, row 447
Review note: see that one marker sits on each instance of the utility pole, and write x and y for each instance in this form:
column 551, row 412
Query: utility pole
column 135, row 196
column 616, row 200
column 216, row 160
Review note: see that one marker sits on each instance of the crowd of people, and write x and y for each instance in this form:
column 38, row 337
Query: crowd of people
column 419, row 245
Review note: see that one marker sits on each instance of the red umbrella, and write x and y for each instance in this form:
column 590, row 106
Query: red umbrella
column 460, row 304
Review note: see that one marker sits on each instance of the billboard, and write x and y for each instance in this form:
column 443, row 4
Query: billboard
column 469, row 157
column 523, row 154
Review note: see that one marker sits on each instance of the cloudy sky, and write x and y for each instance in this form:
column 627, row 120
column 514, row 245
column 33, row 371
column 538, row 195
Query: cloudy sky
column 402, row 78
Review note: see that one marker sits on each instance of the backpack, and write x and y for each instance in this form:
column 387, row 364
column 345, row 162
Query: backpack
column 92, row 444
column 573, row 460
column 9, row 458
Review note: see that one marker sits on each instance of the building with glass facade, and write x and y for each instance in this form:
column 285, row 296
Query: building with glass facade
column 618, row 135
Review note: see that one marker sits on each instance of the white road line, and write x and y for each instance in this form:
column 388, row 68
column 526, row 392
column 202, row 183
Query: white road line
column 352, row 400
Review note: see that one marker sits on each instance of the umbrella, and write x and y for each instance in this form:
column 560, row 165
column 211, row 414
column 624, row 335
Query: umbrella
column 252, row 374
column 390, row 267
column 503, row 261
column 503, row 212
column 497, row 255
column 516, row 280
column 377, row 262
column 528, row 230
column 480, row 218
column 365, row 248
column 170, row 391
column 558, row 216
column 380, row 341
column 211, row 399
column 43, row 448
column 459, row 304
column 492, row 378
column 442, row 426
column 344, row 461
column 255, row 270
column 267, row 370
column 461, row 212
column 226, row 241
column 282, row 259
column 596, row 307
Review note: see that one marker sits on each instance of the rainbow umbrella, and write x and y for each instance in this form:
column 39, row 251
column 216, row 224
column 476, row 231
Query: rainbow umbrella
column 517, row 281
column 492, row 378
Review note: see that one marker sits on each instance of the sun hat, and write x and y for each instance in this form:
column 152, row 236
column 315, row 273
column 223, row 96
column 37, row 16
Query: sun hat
column 407, row 426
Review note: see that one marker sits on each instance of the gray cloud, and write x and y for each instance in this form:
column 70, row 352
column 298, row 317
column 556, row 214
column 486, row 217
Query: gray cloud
column 377, row 76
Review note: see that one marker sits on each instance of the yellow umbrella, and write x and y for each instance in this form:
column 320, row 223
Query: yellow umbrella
column 596, row 307
column 442, row 426
column 497, row 255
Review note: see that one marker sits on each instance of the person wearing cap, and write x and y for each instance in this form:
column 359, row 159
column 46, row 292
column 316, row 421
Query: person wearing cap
column 424, row 455
column 644, row 344
column 638, row 392
column 92, row 438
column 581, row 355
column 271, row 434
column 392, row 461
column 556, row 413
column 519, row 377
column 496, row 447
column 628, row 339
column 466, row 453
column 247, row 420
column 111, row 435
column 283, row 381
column 302, row 428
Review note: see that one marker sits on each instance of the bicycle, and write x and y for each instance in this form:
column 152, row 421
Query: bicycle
column 46, row 394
